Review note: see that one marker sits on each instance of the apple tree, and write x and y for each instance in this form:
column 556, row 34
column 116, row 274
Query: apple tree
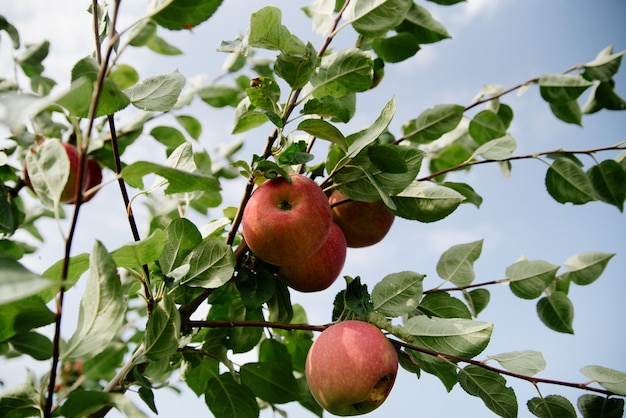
column 190, row 296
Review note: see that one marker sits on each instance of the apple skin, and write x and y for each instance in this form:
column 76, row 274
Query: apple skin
column 92, row 176
column 363, row 223
column 319, row 271
column 286, row 223
column 351, row 368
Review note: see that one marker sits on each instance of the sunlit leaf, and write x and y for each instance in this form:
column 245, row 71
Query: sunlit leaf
column 158, row 93
column 376, row 17
column 397, row 294
column 612, row 380
column 456, row 264
column 343, row 72
column 497, row 149
column 528, row 279
column 559, row 88
column 460, row 337
column 586, row 268
column 426, row 202
column 605, row 65
column 162, row 330
column 17, row 282
column 433, row 123
column 525, row 362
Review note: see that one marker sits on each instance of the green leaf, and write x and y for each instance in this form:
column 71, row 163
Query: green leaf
column 161, row 46
column 467, row 191
column 77, row 266
column 158, row 93
column 612, row 380
column 605, row 66
column 358, row 141
column 352, row 303
column 324, row 130
column 272, row 382
column 396, row 48
column 525, row 362
column 459, row 337
column 426, row 202
column 456, row 264
column 339, row 109
column 530, row 278
column 398, row 293
column 297, row 69
column 136, row 254
column 211, row 264
column 264, row 94
column 433, row 123
column 21, row 400
column 375, row 18
column 220, row 95
column 556, row 312
column 387, row 159
column 609, row 182
column 248, row 117
column 477, row 300
column 559, row 88
column 485, row 126
column 182, row 237
column 168, row 136
column 48, row 172
column 443, row 305
column 491, row 388
column 346, row 71
column 227, row 398
column 186, row 14
column 267, row 31
column 567, row 182
column 594, row 406
column 162, row 330
column 603, row 96
column 568, row 112
column 11, row 30
column 16, row 282
column 586, row 268
column 124, row 76
column 497, row 149
column 551, row 406
column 420, row 23
column 33, row 344
column 81, row 403
column 255, row 289
column 101, row 311
column 23, row 315
column 198, row 369
column 443, row 370
column 32, row 58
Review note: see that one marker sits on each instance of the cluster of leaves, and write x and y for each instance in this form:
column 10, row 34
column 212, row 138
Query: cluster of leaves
column 164, row 277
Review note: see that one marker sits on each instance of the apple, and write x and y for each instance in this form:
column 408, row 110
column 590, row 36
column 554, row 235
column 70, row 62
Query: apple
column 321, row 270
column 92, row 176
column 363, row 223
column 286, row 222
column 351, row 368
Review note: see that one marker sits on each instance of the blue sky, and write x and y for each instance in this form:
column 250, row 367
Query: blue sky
column 493, row 42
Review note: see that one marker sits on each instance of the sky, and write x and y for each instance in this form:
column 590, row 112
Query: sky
column 493, row 42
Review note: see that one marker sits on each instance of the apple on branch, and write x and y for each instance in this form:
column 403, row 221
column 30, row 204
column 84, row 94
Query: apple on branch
column 363, row 223
column 321, row 270
column 351, row 368
column 286, row 222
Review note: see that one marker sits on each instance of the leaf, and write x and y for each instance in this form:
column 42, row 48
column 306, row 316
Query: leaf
column 442, row 305
column 567, row 182
column 497, row 149
column 358, row 141
column 264, row 94
column 227, row 398
column 33, row 344
column 456, row 264
column 459, row 337
column 568, row 112
column 220, row 95
column 528, row 279
column 101, row 311
column 185, row 14
column 48, row 171
column 297, row 69
column 442, row 369
column 551, row 406
column 339, row 109
column 433, row 123
column 556, row 312
column 77, row 266
column 586, row 268
column 477, row 300
column 248, row 117
column 467, row 191
column 396, row 48
column 267, row 31
column 182, row 237
column 197, row 370
column 387, row 159
column 16, row 282
column 594, row 406
column 525, row 362
column 426, row 202
column 158, row 93
column 211, row 264
column 346, row 71
column 485, row 126
column 611, row 380
column 23, row 315
column 420, row 23
column 272, row 382
column 609, row 182
column 324, row 130
column 81, row 403
column 376, row 17
column 398, row 293
column 136, row 254
column 491, row 388
column 605, row 65
column 21, row 400
column 559, row 88
column 162, row 330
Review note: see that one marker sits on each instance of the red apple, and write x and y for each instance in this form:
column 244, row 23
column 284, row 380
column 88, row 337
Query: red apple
column 286, row 223
column 363, row 223
column 322, row 269
column 93, row 178
column 351, row 368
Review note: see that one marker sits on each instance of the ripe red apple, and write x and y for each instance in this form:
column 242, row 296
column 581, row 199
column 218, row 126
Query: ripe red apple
column 322, row 269
column 286, row 223
column 363, row 223
column 92, row 176
column 351, row 368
